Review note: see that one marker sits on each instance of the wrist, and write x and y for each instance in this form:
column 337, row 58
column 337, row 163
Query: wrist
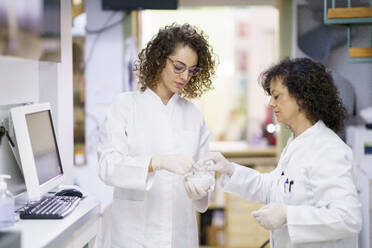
column 154, row 163
column 284, row 210
column 230, row 170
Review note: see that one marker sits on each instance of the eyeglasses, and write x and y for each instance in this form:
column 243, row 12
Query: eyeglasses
column 179, row 67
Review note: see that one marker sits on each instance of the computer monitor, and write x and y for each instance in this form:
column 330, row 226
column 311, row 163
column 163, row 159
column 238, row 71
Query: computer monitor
column 37, row 148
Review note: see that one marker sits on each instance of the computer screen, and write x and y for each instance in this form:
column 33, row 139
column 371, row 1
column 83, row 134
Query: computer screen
column 37, row 148
column 44, row 146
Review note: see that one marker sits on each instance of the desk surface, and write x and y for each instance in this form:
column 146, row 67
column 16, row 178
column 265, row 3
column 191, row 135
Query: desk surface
column 242, row 149
column 53, row 233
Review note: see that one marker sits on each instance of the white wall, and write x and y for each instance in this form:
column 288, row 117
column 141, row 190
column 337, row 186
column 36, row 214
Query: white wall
column 103, row 81
column 358, row 74
column 32, row 81
column 65, row 92
column 19, row 81
column 56, row 88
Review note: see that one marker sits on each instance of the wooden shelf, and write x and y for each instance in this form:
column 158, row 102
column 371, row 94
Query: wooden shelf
column 362, row 52
column 213, row 206
column 351, row 16
column 354, row 12
column 242, row 149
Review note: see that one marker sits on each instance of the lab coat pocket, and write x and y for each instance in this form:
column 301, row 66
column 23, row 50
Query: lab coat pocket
column 127, row 222
column 187, row 143
column 300, row 193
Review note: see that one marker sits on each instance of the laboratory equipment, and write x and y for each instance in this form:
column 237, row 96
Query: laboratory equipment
column 201, row 178
column 359, row 138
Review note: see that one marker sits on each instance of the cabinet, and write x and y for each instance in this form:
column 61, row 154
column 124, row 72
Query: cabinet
column 228, row 222
column 241, row 228
column 351, row 16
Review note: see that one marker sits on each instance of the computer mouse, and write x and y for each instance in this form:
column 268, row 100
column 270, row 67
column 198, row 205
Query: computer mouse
column 70, row 192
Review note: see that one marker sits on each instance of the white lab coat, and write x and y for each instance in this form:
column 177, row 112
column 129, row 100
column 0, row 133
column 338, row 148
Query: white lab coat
column 323, row 209
column 151, row 209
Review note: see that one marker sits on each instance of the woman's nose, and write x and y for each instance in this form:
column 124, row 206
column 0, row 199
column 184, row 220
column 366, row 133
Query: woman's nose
column 271, row 102
column 185, row 75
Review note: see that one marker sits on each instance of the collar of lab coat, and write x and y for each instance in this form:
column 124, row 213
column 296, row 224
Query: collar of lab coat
column 292, row 143
column 311, row 130
column 156, row 98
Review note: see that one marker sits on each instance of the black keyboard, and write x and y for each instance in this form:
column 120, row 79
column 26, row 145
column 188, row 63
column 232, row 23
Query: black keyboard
column 51, row 207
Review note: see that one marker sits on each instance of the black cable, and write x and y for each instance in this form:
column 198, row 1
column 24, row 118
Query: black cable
column 106, row 26
column 101, row 30
column 10, row 139
column 265, row 243
column 97, row 32
column 2, row 132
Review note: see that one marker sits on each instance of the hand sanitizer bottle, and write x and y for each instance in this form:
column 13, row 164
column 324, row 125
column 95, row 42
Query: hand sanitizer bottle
column 6, row 204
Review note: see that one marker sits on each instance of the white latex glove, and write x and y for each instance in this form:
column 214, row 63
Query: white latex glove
column 271, row 216
column 220, row 163
column 178, row 164
column 194, row 191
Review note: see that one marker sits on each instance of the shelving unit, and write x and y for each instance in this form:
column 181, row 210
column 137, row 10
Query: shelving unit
column 359, row 13
column 351, row 16
column 242, row 231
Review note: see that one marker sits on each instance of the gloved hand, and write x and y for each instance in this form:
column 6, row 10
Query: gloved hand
column 178, row 164
column 220, row 163
column 194, row 191
column 271, row 216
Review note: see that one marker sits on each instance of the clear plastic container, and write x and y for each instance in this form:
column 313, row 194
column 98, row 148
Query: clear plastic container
column 6, row 204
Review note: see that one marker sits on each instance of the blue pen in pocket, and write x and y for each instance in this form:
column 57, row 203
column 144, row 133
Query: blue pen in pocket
column 285, row 185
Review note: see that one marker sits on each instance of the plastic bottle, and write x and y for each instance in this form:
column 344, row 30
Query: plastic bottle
column 6, row 204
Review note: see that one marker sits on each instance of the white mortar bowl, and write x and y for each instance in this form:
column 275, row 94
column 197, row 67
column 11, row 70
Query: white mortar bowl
column 202, row 179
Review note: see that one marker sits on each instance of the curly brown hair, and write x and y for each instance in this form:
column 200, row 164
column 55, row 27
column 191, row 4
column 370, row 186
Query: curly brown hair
column 152, row 59
column 311, row 84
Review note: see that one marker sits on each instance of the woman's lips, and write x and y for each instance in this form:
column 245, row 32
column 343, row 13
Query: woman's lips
column 179, row 85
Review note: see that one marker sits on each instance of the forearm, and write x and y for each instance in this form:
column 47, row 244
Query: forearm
column 248, row 184
column 124, row 171
column 316, row 224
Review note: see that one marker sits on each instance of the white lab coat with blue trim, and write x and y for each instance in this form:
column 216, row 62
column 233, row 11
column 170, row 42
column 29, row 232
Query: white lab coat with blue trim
column 151, row 209
column 323, row 209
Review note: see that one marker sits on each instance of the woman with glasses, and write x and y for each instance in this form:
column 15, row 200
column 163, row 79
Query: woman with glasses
column 152, row 137
column 311, row 198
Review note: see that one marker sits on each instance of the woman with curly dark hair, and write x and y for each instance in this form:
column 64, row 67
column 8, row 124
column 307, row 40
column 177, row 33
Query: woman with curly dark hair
column 310, row 198
column 151, row 138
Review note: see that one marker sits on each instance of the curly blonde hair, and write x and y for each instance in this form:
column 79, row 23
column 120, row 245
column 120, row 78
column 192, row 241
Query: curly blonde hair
column 152, row 59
